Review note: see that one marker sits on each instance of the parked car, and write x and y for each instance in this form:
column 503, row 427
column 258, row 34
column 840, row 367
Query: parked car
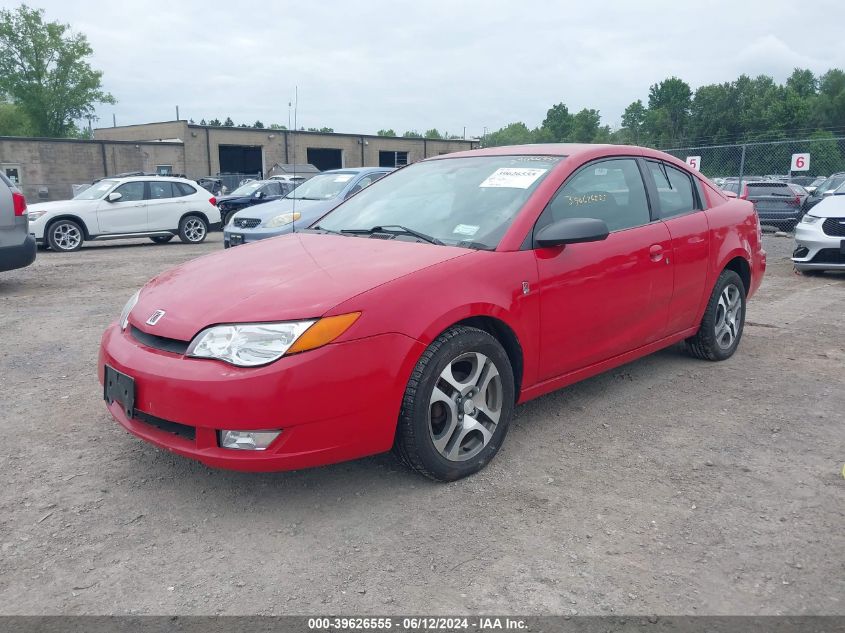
column 212, row 185
column 820, row 237
column 253, row 192
column 733, row 185
column 776, row 202
column 17, row 246
column 816, row 182
column 302, row 206
column 827, row 188
column 419, row 312
column 157, row 207
column 296, row 180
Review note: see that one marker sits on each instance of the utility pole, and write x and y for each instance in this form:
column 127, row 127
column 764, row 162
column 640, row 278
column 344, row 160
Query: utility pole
column 177, row 113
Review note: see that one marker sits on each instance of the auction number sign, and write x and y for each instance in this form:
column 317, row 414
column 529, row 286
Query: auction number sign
column 800, row 162
column 694, row 162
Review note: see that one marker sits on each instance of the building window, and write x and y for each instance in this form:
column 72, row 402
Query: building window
column 13, row 173
column 164, row 170
column 392, row 159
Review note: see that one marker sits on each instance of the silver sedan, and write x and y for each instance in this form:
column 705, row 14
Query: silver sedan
column 820, row 237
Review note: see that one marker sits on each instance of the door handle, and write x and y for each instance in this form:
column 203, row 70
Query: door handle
column 655, row 252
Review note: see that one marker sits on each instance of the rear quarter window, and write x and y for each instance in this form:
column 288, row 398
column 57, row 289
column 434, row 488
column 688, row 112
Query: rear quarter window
column 768, row 189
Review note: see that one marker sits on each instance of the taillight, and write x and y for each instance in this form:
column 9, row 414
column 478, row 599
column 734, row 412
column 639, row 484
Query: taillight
column 20, row 203
column 213, row 200
column 797, row 200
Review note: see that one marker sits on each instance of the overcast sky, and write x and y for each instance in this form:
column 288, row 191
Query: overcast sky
column 362, row 66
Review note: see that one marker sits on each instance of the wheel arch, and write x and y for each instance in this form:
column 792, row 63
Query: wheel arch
column 86, row 234
column 508, row 339
column 200, row 214
column 740, row 265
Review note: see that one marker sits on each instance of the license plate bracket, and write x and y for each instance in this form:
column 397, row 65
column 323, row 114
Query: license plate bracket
column 236, row 239
column 120, row 388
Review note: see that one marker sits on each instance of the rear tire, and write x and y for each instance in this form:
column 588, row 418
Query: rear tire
column 723, row 322
column 193, row 229
column 161, row 239
column 65, row 236
column 457, row 406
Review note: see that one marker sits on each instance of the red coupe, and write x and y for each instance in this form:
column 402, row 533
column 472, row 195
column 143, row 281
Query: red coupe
column 417, row 314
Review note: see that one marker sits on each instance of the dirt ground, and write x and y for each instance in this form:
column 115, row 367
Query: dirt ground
column 669, row 486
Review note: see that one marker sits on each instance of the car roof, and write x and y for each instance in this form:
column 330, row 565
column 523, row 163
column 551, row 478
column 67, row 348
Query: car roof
column 562, row 149
column 356, row 170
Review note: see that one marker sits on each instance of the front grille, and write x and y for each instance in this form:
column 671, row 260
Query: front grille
column 829, row 256
column 246, row 223
column 180, row 430
column 834, row 226
column 172, row 345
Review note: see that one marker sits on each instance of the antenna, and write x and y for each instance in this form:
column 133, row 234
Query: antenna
column 295, row 110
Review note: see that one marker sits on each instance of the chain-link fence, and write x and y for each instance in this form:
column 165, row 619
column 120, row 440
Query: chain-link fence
column 779, row 177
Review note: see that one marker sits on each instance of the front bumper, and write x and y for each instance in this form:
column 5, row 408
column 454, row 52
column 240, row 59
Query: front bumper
column 815, row 250
column 18, row 255
column 333, row 404
column 252, row 235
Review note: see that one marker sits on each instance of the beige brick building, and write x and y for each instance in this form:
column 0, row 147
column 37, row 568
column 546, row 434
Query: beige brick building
column 46, row 168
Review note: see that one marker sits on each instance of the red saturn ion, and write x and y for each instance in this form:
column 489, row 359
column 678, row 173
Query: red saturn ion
column 418, row 313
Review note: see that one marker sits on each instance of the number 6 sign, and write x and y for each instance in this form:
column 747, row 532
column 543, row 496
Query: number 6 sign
column 694, row 162
column 800, row 162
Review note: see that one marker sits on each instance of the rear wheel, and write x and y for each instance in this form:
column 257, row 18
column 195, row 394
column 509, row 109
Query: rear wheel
column 161, row 239
column 65, row 236
column 193, row 229
column 724, row 319
column 457, row 406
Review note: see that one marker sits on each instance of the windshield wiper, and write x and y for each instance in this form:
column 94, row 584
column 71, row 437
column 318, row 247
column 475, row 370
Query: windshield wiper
column 396, row 229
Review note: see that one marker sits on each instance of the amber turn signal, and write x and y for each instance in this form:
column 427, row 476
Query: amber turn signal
column 323, row 332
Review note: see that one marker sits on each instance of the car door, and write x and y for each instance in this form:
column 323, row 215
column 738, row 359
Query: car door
column 602, row 299
column 165, row 206
column 128, row 214
column 679, row 205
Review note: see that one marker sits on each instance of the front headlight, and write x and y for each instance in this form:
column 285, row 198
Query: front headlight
column 810, row 219
column 254, row 344
column 124, row 315
column 282, row 220
column 34, row 215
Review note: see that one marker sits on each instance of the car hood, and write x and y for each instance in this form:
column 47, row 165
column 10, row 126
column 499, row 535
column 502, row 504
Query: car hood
column 233, row 199
column 271, row 209
column 830, row 207
column 64, row 206
column 292, row 277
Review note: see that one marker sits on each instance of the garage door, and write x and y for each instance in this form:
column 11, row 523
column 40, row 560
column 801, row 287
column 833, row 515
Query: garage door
column 325, row 158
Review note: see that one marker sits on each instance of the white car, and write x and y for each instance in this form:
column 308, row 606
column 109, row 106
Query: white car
column 156, row 207
column 820, row 237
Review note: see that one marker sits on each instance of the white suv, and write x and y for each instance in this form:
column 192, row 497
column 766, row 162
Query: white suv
column 113, row 208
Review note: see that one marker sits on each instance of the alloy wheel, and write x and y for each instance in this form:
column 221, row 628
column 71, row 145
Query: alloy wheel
column 194, row 230
column 66, row 236
column 728, row 316
column 465, row 406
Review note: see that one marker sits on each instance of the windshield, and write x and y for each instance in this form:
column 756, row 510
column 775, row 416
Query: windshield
column 322, row 187
column 831, row 183
column 248, row 189
column 96, row 191
column 458, row 201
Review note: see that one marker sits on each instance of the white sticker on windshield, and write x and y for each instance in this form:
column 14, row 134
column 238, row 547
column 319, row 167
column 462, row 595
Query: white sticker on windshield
column 513, row 177
column 343, row 178
column 466, row 229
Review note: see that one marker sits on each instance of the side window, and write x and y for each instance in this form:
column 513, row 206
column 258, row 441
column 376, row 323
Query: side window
column 674, row 189
column 160, row 190
column 610, row 190
column 131, row 191
column 181, row 189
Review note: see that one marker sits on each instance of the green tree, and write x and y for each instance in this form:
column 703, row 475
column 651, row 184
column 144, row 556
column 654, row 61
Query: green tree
column 433, row 133
column 45, row 72
column 228, row 122
column 803, row 82
column 277, row 126
column 558, row 123
column 387, row 132
column 14, row 121
column 215, row 123
column 202, row 122
column 585, row 126
column 669, row 105
column 258, row 124
column 513, row 134
column 633, row 119
column 412, row 134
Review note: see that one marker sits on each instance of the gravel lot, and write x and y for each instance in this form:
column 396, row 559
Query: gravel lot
column 668, row 486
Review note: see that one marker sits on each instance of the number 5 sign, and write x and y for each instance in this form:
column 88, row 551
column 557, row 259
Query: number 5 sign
column 800, row 162
column 694, row 162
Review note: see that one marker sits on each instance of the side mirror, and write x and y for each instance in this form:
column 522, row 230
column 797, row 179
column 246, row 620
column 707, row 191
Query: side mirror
column 730, row 194
column 114, row 196
column 259, row 194
column 571, row 231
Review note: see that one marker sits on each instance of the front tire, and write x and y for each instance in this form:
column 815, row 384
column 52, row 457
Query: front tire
column 65, row 236
column 457, row 406
column 723, row 322
column 193, row 229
